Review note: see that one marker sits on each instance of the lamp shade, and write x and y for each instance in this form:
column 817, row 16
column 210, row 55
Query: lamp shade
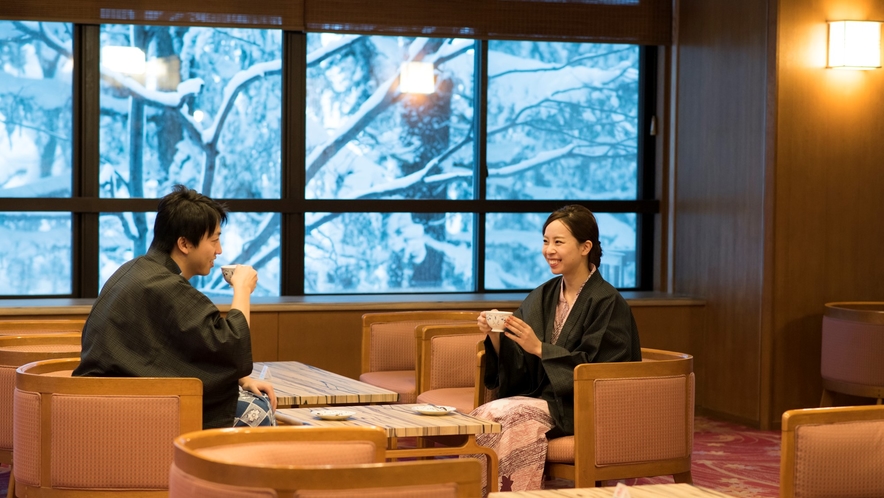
column 855, row 44
column 128, row 60
column 417, row 77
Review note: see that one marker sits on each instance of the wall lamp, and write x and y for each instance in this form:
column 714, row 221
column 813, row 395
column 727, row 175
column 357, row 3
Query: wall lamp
column 417, row 77
column 854, row 44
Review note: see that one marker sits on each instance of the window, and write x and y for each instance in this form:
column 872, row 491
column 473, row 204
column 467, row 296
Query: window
column 35, row 109
column 197, row 106
column 337, row 181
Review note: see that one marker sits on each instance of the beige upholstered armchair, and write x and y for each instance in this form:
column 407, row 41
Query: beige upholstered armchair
column 308, row 462
column 852, row 342
column 446, row 364
column 632, row 419
column 16, row 351
column 93, row 436
column 832, row 452
column 389, row 351
column 41, row 326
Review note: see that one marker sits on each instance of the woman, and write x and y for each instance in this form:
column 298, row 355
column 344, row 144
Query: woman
column 574, row 318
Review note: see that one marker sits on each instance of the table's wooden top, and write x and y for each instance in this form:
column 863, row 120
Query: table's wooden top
column 397, row 420
column 646, row 491
column 298, row 384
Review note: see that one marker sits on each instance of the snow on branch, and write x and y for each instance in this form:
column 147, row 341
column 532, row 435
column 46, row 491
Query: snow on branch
column 153, row 98
column 538, row 160
column 232, row 89
column 317, row 56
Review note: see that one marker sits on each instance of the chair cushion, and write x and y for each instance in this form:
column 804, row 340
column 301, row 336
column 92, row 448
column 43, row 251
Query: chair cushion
column 462, row 398
column 400, row 381
column 851, row 352
column 446, row 490
column 129, row 438
column 839, row 460
column 655, row 426
column 7, row 388
column 454, row 360
column 392, row 345
column 184, row 485
column 561, row 450
column 269, row 453
column 26, row 438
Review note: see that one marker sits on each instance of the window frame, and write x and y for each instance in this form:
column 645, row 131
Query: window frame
column 85, row 205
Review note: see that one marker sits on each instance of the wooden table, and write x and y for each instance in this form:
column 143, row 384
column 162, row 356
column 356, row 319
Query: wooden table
column 646, row 491
column 456, row 430
column 298, row 384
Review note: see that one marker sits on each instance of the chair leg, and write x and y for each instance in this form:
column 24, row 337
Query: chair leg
column 827, row 400
column 10, row 490
column 683, row 478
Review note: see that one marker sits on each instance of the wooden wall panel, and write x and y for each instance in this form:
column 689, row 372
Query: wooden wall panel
column 679, row 329
column 265, row 336
column 829, row 191
column 331, row 340
column 719, row 193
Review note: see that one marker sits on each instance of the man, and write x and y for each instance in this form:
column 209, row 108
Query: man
column 149, row 321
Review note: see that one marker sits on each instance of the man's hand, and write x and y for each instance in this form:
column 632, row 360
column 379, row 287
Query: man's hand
column 258, row 387
column 244, row 278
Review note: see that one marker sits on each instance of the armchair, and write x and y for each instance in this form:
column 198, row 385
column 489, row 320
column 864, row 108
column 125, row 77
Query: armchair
column 852, row 340
column 389, row 351
column 16, row 351
column 832, row 452
column 88, row 436
column 308, row 462
column 41, row 326
column 632, row 419
column 445, row 365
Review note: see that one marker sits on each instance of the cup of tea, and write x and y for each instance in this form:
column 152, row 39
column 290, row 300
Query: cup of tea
column 227, row 272
column 497, row 319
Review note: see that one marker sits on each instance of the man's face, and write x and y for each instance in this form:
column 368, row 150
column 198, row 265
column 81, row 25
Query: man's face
column 201, row 258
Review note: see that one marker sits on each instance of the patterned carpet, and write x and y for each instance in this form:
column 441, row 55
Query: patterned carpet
column 735, row 460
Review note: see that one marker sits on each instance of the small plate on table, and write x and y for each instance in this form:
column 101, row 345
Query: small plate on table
column 332, row 414
column 433, row 409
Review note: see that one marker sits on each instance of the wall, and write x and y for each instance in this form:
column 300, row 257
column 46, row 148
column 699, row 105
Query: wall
column 328, row 334
column 779, row 193
column 829, row 191
column 719, row 198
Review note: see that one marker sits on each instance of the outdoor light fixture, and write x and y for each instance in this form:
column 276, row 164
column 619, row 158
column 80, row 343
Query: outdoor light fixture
column 417, row 77
column 127, row 60
column 854, row 44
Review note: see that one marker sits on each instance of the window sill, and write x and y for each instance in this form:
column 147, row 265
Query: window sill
column 378, row 302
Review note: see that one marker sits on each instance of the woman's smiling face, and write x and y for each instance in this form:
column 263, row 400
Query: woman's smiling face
column 562, row 251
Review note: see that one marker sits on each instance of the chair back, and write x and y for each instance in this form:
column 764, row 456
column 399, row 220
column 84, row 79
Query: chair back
column 80, row 436
column 832, row 452
column 632, row 419
column 446, row 364
column 308, row 461
column 389, row 351
column 852, row 339
column 20, row 327
column 16, row 351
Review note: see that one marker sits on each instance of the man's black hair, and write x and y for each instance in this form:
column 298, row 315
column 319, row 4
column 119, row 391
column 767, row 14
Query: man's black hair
column 185, row 213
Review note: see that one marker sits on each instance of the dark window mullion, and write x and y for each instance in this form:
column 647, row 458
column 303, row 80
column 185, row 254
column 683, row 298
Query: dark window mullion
column 86, row 114
column 481, row 175
column 294, row 129
column 647, row 106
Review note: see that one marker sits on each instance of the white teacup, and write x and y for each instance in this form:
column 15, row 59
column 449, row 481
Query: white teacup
column 227, row 272
column 497, row 319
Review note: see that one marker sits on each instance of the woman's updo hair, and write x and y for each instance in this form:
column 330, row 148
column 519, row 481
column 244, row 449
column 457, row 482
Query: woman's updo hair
column 583, row 226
